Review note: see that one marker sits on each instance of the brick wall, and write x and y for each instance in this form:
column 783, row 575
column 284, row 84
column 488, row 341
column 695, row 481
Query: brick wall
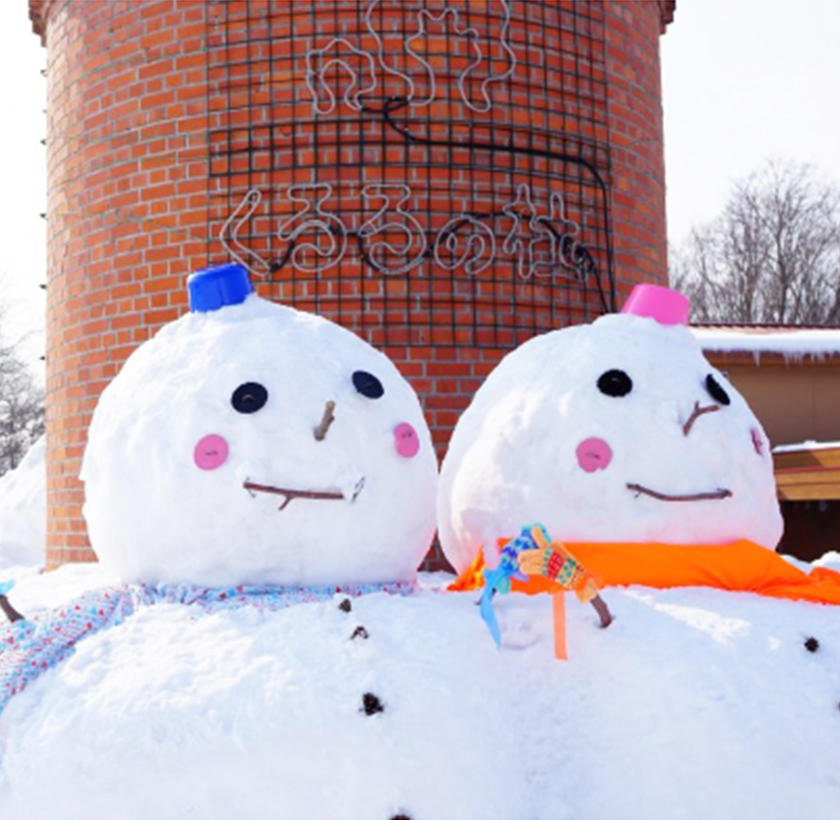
column 140, row 95
column 637, row 152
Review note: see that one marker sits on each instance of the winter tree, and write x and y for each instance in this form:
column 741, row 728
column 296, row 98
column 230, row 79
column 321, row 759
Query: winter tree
column 21, row 405
column 773, row 254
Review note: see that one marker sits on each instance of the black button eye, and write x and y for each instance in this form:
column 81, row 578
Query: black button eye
column 716, row 391
column 249, row 397
column 368, row 385
column 615, row 383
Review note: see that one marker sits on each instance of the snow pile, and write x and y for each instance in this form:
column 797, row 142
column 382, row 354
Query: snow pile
column 23, row 499
column 695, row 703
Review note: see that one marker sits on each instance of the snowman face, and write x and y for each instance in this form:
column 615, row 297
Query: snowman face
column 616, row 431
column 258, row 444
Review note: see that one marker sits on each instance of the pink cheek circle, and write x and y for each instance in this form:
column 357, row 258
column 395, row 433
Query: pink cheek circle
column 593, row 454
column 757, row 441
column 406, row 440
column 210, row 452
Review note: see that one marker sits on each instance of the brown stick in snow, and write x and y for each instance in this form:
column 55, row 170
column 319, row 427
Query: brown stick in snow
column 11, row 613
column 603, row 611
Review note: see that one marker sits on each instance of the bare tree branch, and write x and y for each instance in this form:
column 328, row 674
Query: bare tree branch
column 773, row 254
column 21, row 404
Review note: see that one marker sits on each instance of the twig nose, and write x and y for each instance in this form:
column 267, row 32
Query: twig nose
column 696, row 413
column 326, row 420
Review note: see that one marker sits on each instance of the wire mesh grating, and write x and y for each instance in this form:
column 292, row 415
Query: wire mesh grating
column 423, row 172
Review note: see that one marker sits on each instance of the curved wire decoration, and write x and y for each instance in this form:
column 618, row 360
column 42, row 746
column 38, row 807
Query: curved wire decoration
column 468, row 34
column 473, row 249
column 511, row 58
column 566, row 252
column 539, row 248
column 380, row 52
column 471, row 34
column 249, row 204
column 389, row 220
column 540, row 244
column 361, row 82
column 517, row 243
column 310, row 222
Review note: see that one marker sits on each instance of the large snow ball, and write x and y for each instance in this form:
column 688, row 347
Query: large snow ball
column 615, row 431
column 254, row 443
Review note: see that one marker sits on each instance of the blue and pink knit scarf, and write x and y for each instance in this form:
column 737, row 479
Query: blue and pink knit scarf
column 30, row 647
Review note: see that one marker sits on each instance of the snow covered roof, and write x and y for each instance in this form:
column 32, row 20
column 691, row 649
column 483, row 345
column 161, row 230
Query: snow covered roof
column 787, row 341
column 807, row 445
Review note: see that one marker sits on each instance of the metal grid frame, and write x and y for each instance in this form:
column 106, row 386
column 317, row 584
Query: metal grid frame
column 424, row 172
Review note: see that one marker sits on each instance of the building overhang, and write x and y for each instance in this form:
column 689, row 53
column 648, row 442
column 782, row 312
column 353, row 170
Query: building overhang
column 38, row 16
column 666, row 10
column 808, row 472
column 728, row 345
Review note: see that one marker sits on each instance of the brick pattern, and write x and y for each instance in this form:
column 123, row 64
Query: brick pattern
column 127, row 177
column 636, row 140
column 276, row 129
column 136, row 199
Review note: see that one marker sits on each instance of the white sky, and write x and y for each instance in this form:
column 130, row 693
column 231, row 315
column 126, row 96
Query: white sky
column 22, row 179
column 743, row 80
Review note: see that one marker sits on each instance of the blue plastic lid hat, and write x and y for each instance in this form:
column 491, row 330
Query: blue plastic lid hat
column 218, row 286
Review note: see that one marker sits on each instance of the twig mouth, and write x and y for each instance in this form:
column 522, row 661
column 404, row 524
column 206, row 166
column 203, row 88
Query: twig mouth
column 713, row 495
column 288, row 495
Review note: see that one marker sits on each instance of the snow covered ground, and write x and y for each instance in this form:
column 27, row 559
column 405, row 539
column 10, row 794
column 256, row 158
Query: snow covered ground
column 695, row 703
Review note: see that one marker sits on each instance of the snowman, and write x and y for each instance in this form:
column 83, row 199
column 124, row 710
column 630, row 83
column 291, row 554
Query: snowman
column 616, row 431
column 251, row 443
column 260, row 488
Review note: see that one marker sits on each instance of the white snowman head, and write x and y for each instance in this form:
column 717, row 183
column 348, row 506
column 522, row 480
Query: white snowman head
column 615, row 431
column 249, row 442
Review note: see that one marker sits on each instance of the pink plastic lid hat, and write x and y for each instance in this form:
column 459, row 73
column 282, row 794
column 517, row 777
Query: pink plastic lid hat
column 667, row 306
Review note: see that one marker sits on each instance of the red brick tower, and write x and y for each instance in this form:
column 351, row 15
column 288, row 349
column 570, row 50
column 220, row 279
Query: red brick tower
column 445, row 177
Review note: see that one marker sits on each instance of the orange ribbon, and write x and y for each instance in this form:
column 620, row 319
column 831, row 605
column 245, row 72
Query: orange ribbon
column 742, row 566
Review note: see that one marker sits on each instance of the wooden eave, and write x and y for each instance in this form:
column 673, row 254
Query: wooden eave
column 808, row 475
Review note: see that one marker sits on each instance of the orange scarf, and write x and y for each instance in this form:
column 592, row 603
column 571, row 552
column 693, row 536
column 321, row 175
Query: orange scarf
column 739, row 567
